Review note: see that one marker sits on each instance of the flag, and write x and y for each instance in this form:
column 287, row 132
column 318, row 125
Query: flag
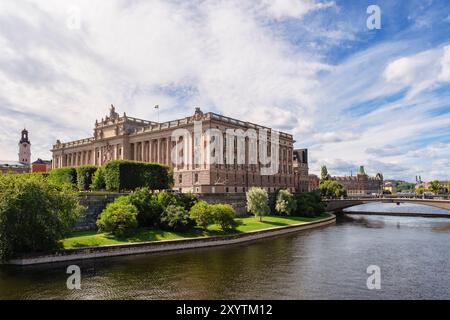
column 157, row 106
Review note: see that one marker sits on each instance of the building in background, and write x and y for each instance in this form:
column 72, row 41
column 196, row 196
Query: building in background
column 390, row 187
column 24, row 155
column 41, row 165
column 127, row 138
column 300, row 168
column 362, row 184
column 313, row 182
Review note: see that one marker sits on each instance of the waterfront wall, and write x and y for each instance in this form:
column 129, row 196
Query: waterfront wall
column 167, row 245
column 94, row 203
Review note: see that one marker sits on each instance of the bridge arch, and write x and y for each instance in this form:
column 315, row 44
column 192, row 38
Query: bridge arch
column 337, row 205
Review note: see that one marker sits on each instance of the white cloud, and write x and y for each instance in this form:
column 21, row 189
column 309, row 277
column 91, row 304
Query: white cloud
column 280, row 9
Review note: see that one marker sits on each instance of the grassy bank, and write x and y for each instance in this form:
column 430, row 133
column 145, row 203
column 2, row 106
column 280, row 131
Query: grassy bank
column 92, row 238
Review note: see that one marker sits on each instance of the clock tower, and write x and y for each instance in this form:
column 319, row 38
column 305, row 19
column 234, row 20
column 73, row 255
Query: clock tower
column 25, row 148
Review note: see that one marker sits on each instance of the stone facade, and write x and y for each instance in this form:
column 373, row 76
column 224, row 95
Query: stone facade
column 362, row 184
column 93, row 205
column 123, row 137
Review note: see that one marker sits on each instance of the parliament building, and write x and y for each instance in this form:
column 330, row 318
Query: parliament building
column 120, row 137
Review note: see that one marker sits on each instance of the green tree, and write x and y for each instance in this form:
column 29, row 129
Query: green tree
column 119, row 218
column 324, row 175
column 176, row 218
column 34, row 214
column 435, row 187
column 257, row 202
column 448, row 186
column 332, row 189
column 202, row 214
column 420, row 190
column 149, row 208
column 223, row 215
column 285, row 202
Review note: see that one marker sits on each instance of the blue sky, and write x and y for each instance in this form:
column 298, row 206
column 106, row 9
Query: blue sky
column 353, row 96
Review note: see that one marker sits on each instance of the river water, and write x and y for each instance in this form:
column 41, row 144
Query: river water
column 413, row 254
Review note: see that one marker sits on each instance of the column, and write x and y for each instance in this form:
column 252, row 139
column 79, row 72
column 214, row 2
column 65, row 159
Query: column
column 143, row 151
column 134, row 151
column 168, row 143
column 158, row 155
column 150, row 155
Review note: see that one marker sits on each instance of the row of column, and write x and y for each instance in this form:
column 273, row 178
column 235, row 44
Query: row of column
column 154, row 150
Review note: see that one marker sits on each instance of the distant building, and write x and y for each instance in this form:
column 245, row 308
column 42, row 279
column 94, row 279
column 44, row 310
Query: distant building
column 300, row 168
column 362, row 184
column 313, row 182
column 23, row 165
column 41, row 165
column 390, row 186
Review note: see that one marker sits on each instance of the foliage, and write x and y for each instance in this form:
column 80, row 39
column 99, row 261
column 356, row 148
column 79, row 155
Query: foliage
column 149, row 208
column 34, row 214
column 187, row 200
column 202, row 214
column 324, row 175
column 403, row 186
column 129, row 175
column 98, row 180
column 421, row 190
column 435, row 186
column 309, row 204
column 332, row 189
column 84, row 177
column 176, row 218
column 66, row 175
column 257, row 202
column 166, row 198
column 285, row 202
column 119, row 218
column 223, row 215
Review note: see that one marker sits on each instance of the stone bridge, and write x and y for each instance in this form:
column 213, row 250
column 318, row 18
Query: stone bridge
column 337, row 205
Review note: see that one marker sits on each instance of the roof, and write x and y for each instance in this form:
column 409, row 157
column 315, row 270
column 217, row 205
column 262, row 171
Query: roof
column 9, row 163
column 40, row 161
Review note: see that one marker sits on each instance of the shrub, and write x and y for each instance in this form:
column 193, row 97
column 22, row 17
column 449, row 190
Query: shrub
column 84, row 177
column 201, row 213
column 129, row 175
column 149, row 208
column 34, row 214
column 257, row 202
column 66, row 175
column 166, row 199
column 223, row 215
column 98, row 180
column 176, row 218
column 187, row 200
column 285, row 203
column 119, row 218
column 309, row 204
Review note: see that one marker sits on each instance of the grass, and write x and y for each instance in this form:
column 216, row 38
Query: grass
column 92, row 238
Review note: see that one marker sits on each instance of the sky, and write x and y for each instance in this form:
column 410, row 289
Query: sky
column 351, row 95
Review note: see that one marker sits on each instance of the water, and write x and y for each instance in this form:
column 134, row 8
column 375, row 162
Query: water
column 412, row 252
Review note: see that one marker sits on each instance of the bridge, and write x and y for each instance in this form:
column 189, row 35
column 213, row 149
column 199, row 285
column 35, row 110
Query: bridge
column 337, row 205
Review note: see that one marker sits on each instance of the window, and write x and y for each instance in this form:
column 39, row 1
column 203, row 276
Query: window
column 226, row 189
column 196, row 178
column 180, row 178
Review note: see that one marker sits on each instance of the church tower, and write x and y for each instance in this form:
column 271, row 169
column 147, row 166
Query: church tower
column 25, row 148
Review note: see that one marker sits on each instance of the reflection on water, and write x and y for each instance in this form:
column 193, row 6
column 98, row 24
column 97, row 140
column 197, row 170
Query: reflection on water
column 413, row 254
column 393, row 207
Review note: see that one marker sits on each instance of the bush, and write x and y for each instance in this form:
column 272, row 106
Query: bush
column 165, row 198
column 149, row 208
column 66, row 175
column 257, row 202
column 98, row 180
column 84, row 177
column 34, row 214
column 285, row 203
column 176, row 218
column 129, row 175
column 309, row 204
column 201, row 213
column 187, row 200
column 119, row 218
column 223, row 215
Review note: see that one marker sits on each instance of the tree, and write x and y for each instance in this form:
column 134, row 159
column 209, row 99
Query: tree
column 324, row 173
column 420, row 190
column 176, row 218
column 448, row 186
column 98, row 180
column 119, row 218
column 435, row 187
column 201, row 213
column 149, row 208
column 285, row 203
column 257, row 202
column 224, row 215
column 34, row 214
column 332, row 189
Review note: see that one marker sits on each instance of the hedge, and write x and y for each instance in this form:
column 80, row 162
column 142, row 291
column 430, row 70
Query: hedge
column 84, row 177
column 129, row 175
column 63, row 175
